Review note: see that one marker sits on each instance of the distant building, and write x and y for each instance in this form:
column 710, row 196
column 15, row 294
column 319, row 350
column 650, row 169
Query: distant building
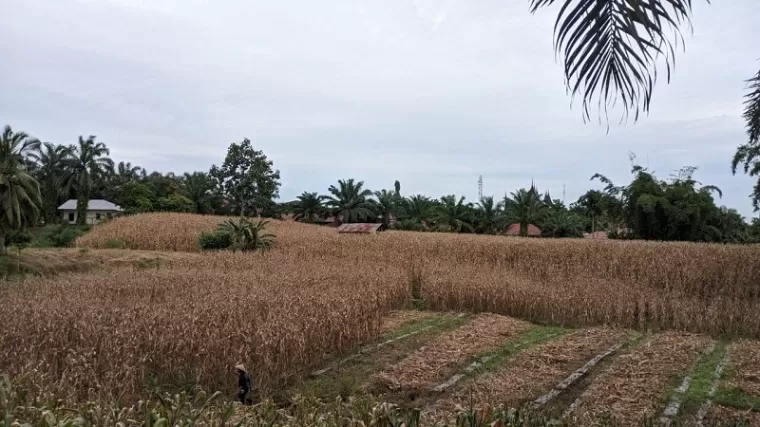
column 360, row 228
column 514, row 230
column 97, row 210
column 596, row 235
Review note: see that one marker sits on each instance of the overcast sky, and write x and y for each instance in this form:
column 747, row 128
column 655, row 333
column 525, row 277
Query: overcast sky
column 433, row 93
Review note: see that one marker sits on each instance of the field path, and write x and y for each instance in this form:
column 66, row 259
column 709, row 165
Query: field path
column 444, row 355
column 531, row 373
column 637, row 383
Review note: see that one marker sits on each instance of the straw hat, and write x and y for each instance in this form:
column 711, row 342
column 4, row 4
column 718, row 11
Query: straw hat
column 240, row 367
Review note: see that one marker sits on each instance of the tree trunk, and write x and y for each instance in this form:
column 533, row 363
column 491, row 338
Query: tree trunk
column 82, row 202
column 242, row 207
column 2, row 245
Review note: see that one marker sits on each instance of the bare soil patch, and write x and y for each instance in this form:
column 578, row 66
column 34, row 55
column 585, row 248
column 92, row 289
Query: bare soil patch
column 638, row 383
column 530, row 373
column 422, row 369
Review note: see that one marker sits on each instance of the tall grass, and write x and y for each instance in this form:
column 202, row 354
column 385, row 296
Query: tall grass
column 101, row 334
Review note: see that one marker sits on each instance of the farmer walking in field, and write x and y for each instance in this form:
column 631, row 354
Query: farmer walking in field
column 244, row 384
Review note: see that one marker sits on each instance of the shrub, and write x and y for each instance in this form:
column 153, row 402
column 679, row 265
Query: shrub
column 64, row 236
column 115, row 244
column 215, row 241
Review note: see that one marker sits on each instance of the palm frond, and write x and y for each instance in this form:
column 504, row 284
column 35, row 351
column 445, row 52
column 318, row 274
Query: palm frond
column 611, row 48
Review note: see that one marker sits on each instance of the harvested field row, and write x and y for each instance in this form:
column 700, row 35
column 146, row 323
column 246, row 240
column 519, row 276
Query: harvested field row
column 441, row 357
column 635, row 385
column 744, row 368
column 725, row 416
column 530, row 373
column 397, row 318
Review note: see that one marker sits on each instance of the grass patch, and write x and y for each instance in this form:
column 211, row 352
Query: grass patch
column 736, row 398
column 532, row 337
column 702, row 378
column 349, row 378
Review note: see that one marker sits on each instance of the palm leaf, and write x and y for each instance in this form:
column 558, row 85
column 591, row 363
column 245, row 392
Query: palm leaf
column 611, row 48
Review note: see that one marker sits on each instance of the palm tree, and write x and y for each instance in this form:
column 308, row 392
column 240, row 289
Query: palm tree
column 19, row 192
column 488, row 215
column 418, row 208
column 565, row 224
column 456, row 215
column 55, row 173
column 308, row 207
column 349, row 201
column 199, row 188
column 90, row 165
column 387, row 205
column 524, row 208
column 247, row 235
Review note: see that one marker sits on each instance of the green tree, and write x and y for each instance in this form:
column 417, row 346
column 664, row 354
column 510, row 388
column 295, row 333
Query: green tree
column 135, row 197
column 246, row 177
column 564, row 223
column 91, row 163
column 418, row 208
column 20, row 197
column 488, row 216
column 54, row 173
column 308, row 207
column 524, row 207
column 387, row 205
column 349, row 201
column 199, row 188
column 175, row 203
column 455, row 215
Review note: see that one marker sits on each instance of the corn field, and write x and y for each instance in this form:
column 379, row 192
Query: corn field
column 114, row 332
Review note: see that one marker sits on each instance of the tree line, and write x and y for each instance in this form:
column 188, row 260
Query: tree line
column 37, row 177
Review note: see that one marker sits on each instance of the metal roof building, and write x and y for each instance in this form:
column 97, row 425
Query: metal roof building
column 360, row 228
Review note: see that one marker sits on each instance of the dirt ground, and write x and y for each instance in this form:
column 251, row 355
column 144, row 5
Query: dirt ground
column 530, row 373
column 636, row 384
column 441, row 358
column 721, row 415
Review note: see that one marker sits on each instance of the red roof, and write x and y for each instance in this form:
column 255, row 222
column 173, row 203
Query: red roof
column 366, row 228
column 514, row 230
column 596, row 235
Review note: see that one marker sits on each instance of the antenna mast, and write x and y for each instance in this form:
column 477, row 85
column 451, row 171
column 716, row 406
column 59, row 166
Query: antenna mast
column 480, row 187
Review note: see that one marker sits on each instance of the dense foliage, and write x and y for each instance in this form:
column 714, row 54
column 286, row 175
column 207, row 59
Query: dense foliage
column 39, row 177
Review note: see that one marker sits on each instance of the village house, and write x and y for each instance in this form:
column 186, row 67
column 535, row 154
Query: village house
column 97, row 210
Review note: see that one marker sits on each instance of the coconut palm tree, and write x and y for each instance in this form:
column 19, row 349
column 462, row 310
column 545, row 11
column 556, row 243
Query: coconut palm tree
column 308, row 207
column 488, row 215
column 19, row 192
column 54, row 173
column 455, row 215
column 524, row 207
column 349, row 201
column 91, row 163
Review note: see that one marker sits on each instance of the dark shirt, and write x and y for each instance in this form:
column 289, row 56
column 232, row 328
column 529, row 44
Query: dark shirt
column 244, row 382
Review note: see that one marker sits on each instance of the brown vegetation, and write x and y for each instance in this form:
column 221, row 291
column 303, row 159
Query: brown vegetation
column 634, row 386
column 744, row 373
column 103, row 333
column 449, row 351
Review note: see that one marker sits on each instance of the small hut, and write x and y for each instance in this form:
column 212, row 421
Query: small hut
column 514, row 230
column 360, row 228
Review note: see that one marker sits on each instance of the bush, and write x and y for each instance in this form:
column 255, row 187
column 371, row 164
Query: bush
column 115, row 244
column 64, row 236
column 215, row 241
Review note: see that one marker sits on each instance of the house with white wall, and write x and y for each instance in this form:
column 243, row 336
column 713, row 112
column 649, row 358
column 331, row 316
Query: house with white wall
column 97, row 210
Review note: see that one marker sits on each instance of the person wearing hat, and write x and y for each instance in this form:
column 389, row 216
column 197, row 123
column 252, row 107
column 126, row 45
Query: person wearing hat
column 244, row 384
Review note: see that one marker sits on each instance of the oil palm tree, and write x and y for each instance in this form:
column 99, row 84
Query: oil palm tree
column 454, row 214
column 91, row 164
column 349, row 201
column 524, row 207
column 54, row 173
column 418, row 208
column 199, row 188
column 387, row 205
column 308, row 207
column 19, row 192
column 488, row 215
